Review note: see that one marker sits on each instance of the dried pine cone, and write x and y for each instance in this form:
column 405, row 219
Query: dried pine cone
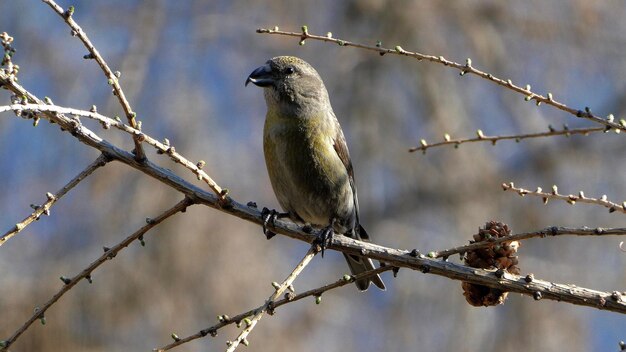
column 499, row 256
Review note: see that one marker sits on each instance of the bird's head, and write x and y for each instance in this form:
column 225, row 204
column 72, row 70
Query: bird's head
column 290, row 81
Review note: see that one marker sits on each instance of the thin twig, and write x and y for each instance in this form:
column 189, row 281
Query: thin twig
column 570, row 198
column 107, row 122
column 345, row 280
column 239, row 318
column 280, row 289
column 8, row 50
column 53, row 198
column 517, row 137
column 109, row 253
column 110, row 75
column 547, row 232
column 464, row 69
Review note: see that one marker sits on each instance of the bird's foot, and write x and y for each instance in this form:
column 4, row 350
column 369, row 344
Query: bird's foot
column 326, row 236
column 269, row 216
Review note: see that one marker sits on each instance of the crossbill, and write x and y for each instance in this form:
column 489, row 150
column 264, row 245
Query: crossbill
column 307, row 156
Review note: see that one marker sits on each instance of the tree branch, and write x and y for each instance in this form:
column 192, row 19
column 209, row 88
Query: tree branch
column 547, row 232
column 517, row 137
column 317, row 292
column 280, row 289
column 53, row 198
column 548, row 99
column 571, row 199
column 109, row 253
column 110, row 75
column 106, row 122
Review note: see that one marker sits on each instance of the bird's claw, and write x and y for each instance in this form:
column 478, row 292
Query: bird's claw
column 325, row 238
column 269, row 217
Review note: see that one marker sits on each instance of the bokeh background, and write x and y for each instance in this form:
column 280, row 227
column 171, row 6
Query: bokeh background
column 183, row 67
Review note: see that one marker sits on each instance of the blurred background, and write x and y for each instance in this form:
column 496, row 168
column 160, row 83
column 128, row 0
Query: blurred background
column 183, row 67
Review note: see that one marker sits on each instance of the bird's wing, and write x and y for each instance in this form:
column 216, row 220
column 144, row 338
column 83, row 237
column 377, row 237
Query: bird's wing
column 340, row 146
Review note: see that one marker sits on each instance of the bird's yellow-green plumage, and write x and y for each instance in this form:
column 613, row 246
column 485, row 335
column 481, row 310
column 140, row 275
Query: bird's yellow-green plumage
column 306, row 174
column 306, row 153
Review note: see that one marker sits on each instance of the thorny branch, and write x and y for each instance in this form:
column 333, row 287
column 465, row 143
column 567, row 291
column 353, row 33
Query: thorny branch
column 569, row 198
column 113, row 78
column 106, row 122
column 464, row 69
column 53, row 198
column 225, row 320
column 109, row 253
column 481, row 137
column 528, row 285
column 547, row 232
column 280, row 289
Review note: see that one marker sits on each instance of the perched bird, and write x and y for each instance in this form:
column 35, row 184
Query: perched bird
column 306, row 154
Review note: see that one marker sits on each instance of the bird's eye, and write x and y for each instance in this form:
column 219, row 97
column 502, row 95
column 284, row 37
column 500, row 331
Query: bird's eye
column 289, row 70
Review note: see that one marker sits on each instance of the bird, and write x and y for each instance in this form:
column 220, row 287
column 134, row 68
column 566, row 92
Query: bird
column 307, row 156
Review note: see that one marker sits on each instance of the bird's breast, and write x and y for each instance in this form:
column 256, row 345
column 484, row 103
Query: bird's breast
column 307, row 176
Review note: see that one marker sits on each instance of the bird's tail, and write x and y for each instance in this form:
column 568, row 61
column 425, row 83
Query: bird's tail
column 360, row 264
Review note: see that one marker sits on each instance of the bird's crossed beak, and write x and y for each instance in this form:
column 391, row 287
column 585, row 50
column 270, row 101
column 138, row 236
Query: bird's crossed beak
column 261, row 77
